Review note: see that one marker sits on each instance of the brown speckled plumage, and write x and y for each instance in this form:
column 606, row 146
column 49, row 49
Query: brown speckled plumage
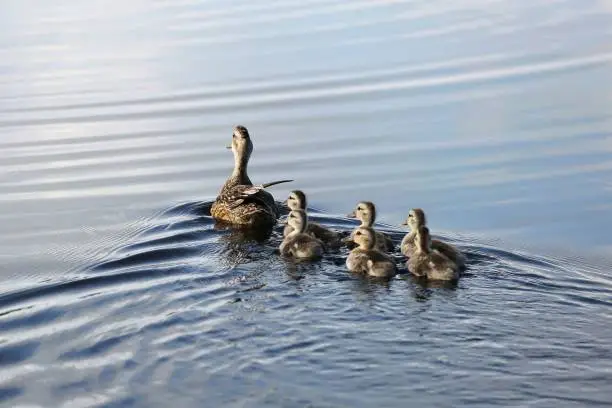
column 297, row 243
column 428, row 262
column 366, row 259
column 416, row 219
column 240, row 202
column 297, row 201
column 366, row 213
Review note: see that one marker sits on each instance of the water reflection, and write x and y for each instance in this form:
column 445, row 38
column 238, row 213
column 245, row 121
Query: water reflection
column 369, row 290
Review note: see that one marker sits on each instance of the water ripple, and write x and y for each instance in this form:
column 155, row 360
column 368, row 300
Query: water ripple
column 277, row 98
column 119, row 289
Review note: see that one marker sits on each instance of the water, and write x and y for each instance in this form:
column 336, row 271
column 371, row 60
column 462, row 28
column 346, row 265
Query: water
column 118, row 290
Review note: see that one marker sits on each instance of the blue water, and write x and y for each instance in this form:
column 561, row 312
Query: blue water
column 117, row 289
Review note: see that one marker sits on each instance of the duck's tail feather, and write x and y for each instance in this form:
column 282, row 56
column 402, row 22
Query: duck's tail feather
column 266, row 185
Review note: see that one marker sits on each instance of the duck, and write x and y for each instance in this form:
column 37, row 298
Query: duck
column 416, row 219
column 365, row 211
column 367, row 259
column 297, row 201
column 428, row 262
column 296, row 242
column 239, row 202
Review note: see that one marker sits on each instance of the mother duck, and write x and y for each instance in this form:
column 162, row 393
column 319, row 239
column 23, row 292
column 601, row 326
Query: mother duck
column 240, row 202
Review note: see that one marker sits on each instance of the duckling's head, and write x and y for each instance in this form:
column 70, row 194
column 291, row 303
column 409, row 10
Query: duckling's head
column 416, row 219
column 364, row 237
column 364, row 212
column 423, row 239
column 242, row 146
column 297, row 220
column 296, row 200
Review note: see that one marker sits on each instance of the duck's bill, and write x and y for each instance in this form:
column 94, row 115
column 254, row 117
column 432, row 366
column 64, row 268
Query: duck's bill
column 351, row 215
column 404, row 223
column 350, row 244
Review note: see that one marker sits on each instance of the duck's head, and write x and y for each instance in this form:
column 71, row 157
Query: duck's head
column 423, row 239
column 364, row 237
column 296, row 200
column 416, row 219
column 364, row 212
column 297, row 220
column 242, row 146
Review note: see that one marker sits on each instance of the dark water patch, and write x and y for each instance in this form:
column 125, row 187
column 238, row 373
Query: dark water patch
column 11, row 354
column 190, row 208
column 150, row 257
column 79, row 285
column 101, row 347
column 175, row 240
column 24, row 318
column 9, row 393
column 75, row 387
column 177, row 225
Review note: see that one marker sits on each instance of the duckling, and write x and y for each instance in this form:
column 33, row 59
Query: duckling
column 416, row 219
column 367, row 259
column 428, row 262
column 297, row 201
column 366, row 213
column 296, row 242
column 240, row 202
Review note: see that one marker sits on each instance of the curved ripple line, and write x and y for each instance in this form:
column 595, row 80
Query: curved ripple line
column 144, row 135
column 265, row 85
column 353, row 24
column 24, row 295
column 91, row 148
column 149, row 258
column 105, row 191
column 172, row 241
column 127, row 176
column 130, row 155
column 203, row 22
column 232, row 10
column 283, row 98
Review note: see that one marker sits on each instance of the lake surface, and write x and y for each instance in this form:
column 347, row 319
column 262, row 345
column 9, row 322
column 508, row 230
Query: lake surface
column 117, row 290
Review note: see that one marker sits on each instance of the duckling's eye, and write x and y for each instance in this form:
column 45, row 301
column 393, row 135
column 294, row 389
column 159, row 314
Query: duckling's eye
column 358, row 233
column 409, row 215
column 359, row 209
